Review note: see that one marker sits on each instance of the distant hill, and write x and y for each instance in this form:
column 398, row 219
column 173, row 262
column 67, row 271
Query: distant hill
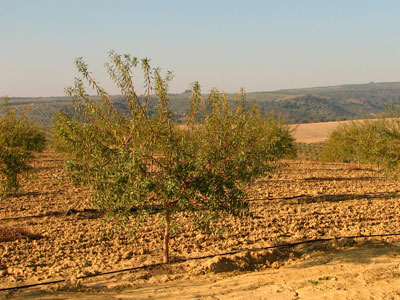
column 319, row 104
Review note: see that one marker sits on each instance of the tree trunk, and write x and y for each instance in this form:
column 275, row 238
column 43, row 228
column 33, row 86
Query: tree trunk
column 166, row 238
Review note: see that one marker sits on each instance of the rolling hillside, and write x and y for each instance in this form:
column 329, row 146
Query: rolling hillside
column 320, row 104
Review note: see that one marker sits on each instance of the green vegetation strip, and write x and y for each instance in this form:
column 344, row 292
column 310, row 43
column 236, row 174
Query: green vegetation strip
column 288, row 245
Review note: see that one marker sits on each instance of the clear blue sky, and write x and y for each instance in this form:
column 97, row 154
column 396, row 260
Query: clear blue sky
column 228, row 44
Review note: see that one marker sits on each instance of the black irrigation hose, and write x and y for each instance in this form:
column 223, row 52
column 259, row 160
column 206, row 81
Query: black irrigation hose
column 288, row 245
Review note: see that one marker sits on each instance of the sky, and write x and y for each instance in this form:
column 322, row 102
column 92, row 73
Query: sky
column 227, row 44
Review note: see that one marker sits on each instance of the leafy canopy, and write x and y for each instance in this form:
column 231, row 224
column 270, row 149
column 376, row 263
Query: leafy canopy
column 138, row 164
column 374, row 141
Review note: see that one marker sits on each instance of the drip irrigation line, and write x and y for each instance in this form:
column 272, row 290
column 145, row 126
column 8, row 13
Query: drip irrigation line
column 288, row 245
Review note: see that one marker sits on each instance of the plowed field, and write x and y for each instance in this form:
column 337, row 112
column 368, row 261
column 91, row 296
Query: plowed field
column 50, row 231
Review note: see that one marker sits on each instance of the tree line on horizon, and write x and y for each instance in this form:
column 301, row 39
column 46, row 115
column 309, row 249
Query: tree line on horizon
column 295, row 106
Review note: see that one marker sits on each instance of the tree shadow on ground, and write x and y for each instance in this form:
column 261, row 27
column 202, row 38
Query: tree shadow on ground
column 343, row 197
column 348, row 169
column 361, row 178
column 33, row 194
column 86, row 213
column 322, row 179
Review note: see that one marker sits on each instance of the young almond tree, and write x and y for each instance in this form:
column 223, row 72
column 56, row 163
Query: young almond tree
column 19, row 140
column 374, row 141
column 139, row 164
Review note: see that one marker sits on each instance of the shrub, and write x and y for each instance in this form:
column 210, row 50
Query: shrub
column 139, row 164
column 343, row 144
column 367, row 141
column 19, row 139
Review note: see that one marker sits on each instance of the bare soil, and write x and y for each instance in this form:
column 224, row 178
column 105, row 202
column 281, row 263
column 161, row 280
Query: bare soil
column 51, row 232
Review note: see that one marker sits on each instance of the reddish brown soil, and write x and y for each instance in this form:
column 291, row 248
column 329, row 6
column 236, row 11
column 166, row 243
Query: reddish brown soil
column 305, row 201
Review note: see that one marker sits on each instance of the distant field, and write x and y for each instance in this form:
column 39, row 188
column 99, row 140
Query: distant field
column 314, row 132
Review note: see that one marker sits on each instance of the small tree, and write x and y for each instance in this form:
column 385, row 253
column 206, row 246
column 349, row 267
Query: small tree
column 19, row 139
column 368, row 141
column 139, row 164
column 344, row 143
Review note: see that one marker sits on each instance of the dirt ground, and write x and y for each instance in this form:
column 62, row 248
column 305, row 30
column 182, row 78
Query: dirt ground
column 303, row 201
column 367, row 271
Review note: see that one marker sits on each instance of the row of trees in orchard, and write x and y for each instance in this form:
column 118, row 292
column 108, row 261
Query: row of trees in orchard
column 140, row 164
column 19, row 140
column 369, row 141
